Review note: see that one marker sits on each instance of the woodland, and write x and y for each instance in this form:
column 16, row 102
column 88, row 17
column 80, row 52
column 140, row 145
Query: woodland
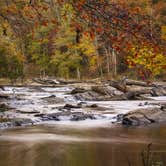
column 82, row 39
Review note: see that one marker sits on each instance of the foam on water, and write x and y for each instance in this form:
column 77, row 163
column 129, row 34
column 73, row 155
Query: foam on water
column 26, row 99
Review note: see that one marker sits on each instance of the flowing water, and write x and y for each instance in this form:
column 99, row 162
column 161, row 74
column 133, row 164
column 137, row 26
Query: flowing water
column 84, row 143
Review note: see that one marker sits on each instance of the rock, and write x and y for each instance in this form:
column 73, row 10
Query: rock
column 81, row 104
column 36, row 89
column 102, row 90
column 53, row 99
column 93, row 106
column 163, row 107
column 78, row 90
column 2, row 88
column 77, row 116
column 158, row 91
column 69, row 106
column 4, row 96
column 21, row 122
column 4, row 107
column 89, row 95
column 144, row 117
column 73, row 116
column 119, row 117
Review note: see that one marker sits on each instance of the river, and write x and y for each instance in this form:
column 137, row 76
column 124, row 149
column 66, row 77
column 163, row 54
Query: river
column 56, row 145
column 76, row 143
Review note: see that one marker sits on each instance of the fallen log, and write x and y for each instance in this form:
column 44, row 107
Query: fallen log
column 139, row 83
column 46, row 81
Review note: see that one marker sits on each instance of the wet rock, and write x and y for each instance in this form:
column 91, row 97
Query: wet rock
column 21, row 122
column 2, row 88
column 119, row 117
column 4, row 96
column 78, row 90
column 53, row 99
column 144, row 117
column 93, row 106
column 73, row 116
column 77, row 116
column 36, row 89
column 163, row 106
column 4, row 107
column 89, row 95
column 81, row 104
column 70, row 106
column 158, row 91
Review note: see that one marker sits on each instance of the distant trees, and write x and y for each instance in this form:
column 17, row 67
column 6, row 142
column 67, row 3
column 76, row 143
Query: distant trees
column 84, row 38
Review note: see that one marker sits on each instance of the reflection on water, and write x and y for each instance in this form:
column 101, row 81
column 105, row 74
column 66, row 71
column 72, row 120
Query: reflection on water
column 58, row 146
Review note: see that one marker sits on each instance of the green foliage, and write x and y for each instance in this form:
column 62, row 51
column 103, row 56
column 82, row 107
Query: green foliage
column 11, row 61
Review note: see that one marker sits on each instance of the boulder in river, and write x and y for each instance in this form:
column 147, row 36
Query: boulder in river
column 21, row 122
column 78, row 90
column 158, row 91
column 53, row 99
column 144, row 116
column 4, row 107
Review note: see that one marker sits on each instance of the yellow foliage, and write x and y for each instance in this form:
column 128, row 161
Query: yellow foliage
column 163, row 30
column 86, row 45
column 146, row 58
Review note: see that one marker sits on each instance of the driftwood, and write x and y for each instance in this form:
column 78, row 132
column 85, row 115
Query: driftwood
column 130, row 94
column 46, row 81
column 139, row 83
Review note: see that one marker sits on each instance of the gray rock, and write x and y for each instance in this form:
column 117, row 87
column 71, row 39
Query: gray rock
column 53, row 99
column 158, row 91
column 144, row 117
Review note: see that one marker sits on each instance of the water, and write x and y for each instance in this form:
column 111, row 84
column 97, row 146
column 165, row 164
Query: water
column 56, row 145
column 84, row 143
column 28, row 99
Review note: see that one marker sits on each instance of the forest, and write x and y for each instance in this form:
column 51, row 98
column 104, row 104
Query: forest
column 82, row 39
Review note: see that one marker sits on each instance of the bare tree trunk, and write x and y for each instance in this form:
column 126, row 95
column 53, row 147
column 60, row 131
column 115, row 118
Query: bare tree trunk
column 99, row 66
column 114, row 63
column 108, row 61
column 78, row 73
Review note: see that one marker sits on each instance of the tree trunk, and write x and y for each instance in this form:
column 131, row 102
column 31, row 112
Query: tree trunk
column 78, row 73
column 99, row 66
column 114, row 63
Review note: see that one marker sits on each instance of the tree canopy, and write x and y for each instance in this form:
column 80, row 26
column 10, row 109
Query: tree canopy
column 86, row 38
